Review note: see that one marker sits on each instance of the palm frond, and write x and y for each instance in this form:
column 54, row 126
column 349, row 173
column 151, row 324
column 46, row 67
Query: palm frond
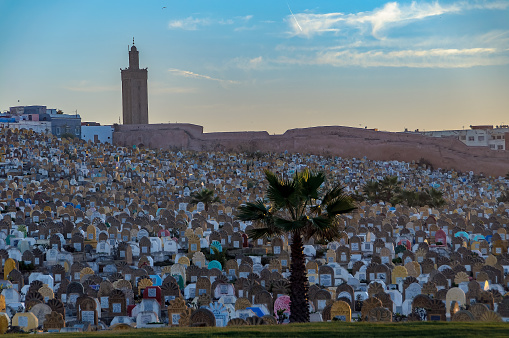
column 253, row 211
column 288, row 225
column 320, row 222
column 257, row 233
column 309, row 184
column 316, row 210
column 341, row 205
column 282, row 193
column 332, row 194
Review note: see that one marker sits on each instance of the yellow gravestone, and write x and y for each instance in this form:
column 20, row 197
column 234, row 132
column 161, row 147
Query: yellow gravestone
column 4, row 322
column 10, row 264
column 341, row 310
column 399, row 273
column 184, row 261
column 27, row 321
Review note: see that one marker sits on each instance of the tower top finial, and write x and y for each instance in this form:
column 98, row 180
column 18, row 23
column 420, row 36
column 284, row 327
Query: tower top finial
column 133, row 40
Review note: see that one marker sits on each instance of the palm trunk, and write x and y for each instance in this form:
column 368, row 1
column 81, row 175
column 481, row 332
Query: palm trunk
column 299, row 308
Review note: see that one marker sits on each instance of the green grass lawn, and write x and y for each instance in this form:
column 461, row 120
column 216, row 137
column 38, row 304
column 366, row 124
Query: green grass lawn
column 326, row 330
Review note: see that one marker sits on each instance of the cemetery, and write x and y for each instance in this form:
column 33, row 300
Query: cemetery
column 98, row 237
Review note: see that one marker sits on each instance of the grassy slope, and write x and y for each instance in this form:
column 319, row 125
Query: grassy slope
column 316, row 330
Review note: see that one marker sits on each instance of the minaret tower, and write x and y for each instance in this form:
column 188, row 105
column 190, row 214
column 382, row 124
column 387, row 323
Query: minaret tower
column 134, row 90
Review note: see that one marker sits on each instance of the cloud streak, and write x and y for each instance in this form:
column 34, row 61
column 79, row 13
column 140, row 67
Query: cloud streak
column 380, row 19
column 431, row 58
column 366, row 39
column 247, row 63
column 188, row 24
column 190, row 74
column 297, row 22
column 191, row 23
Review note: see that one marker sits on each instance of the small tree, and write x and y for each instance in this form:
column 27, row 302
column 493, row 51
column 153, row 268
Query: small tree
column 205, row 196
column 384, row 190
column 390, row 185
column 68, row 136
column 504, row 197
column 371, row 191
column 430, row 197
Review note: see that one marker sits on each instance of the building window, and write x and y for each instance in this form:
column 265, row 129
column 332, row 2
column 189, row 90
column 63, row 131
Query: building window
column 499, row 137
column 492, row 146
column 480, row 138
column 77, row 131
column 500, row 147
column 470, row 138
column 57, row 130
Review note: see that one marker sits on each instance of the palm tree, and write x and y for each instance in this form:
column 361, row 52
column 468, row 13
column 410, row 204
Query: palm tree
column 409, row 197
column 436, row 197
column 389, row 187
column 205, row 196
column 430, row 197
column 384, row 190
column 297, row 207
column 372, row 191
column 504, row 197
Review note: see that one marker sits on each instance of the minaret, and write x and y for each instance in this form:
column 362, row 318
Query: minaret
column 134, row 90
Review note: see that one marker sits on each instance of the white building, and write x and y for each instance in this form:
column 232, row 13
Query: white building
column 37, row 126
column 103, row 134
column 478, row 136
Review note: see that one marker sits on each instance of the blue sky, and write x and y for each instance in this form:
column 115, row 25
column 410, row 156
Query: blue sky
column 264, row 65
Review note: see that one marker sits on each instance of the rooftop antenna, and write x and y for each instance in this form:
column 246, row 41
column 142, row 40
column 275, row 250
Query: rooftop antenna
column 133, row 40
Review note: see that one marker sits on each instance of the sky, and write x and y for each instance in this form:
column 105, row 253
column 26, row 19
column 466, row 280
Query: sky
column 266, row 64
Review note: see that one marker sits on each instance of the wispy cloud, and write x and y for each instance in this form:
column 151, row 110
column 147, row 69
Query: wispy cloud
column 369, row 39
column 432, row 58
column 189, row 74
column 244, row 18
column 391, row 14
column 188, row 24
column 247, row 63
column 191, row 23
column 410, row 58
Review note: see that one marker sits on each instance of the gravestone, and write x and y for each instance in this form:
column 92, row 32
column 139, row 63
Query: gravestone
column 54, row 321
column 341, row 311
column 27, row 321
column 176, row 308
column 220, row 313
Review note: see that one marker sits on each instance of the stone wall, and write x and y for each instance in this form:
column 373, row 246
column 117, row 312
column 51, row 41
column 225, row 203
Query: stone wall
column 446, row 153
